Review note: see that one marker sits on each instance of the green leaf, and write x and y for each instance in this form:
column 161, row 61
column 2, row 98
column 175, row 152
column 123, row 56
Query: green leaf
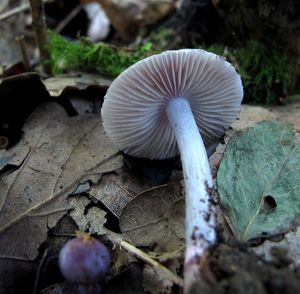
column 259, row 181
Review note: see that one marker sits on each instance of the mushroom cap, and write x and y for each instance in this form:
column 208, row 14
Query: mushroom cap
column 134, row 113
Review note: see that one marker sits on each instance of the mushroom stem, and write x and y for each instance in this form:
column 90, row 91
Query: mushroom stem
column 200, row 209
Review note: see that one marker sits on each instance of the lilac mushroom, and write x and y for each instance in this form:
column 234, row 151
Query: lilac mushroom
column 177, row 102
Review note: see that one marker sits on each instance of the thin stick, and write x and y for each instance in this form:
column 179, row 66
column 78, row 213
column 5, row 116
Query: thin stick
column 68, row 19
column 162, row 270
column 20, row 39
column 18, row 9
column 14, row 258
column 39, row 24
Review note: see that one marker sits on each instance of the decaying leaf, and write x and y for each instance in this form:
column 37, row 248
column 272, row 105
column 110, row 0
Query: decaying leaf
column 251, row 115
column 129, row 280
column 64, row 151
column 155, row 283
column 156, row 218
column 258, row 181
column 89, row 220
column 15, row 272
column 117, row 189
column 289, row 245
column 56, row 85
column 65, row 287
column 13, row 158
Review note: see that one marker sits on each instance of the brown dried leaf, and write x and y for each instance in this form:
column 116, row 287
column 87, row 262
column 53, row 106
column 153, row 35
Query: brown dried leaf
column 63, row 152
column 156, row 217
column 289, row 244
column 57, row 85
column 13, row 157
column 251, row 115
column 116, row 190
column 129, row 280
column 14, row 275
column 91, row 221
column 155, row 283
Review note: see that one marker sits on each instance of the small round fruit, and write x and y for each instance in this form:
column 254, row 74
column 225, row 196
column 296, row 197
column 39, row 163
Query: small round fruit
column 84, row 260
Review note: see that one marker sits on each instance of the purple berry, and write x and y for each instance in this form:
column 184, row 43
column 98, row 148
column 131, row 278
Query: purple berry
column 84, row 260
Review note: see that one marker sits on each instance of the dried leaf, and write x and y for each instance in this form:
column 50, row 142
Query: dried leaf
column 155, row 283
column 63, row 152
column 155, row 217
column 127, row 281
column 89, row 220
column 13, row 157
column 61, row 288
column 15, row 274
column 57, row 85
column 251, row 115
column 116, row 190
column 289, row 244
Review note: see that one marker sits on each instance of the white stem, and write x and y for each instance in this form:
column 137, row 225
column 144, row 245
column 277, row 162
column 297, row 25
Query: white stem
column 200, row 208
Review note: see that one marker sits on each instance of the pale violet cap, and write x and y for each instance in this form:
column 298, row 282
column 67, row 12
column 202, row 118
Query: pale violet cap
column 133, row 111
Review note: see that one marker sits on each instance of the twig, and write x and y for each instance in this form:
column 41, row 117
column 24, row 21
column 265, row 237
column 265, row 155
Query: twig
column 39, row 24
column 18, row 9
column 46, row 259
column 162, row 270
column 16, row 258
column 62, row 24
column 20, row 40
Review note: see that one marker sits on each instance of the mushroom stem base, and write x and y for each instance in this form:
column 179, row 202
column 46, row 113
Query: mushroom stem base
column 200, row 207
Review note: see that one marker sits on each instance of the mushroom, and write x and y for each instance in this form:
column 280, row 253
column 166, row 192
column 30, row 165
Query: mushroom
column 177, row 101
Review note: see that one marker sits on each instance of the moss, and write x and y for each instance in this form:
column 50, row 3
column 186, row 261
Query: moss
column 83, row 55
column 164, row 38
column 268, row 73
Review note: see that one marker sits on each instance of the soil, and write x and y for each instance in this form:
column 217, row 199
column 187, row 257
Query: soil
column 238, row 270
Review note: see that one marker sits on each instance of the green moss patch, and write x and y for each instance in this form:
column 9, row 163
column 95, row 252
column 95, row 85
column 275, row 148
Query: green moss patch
column 84, row 55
